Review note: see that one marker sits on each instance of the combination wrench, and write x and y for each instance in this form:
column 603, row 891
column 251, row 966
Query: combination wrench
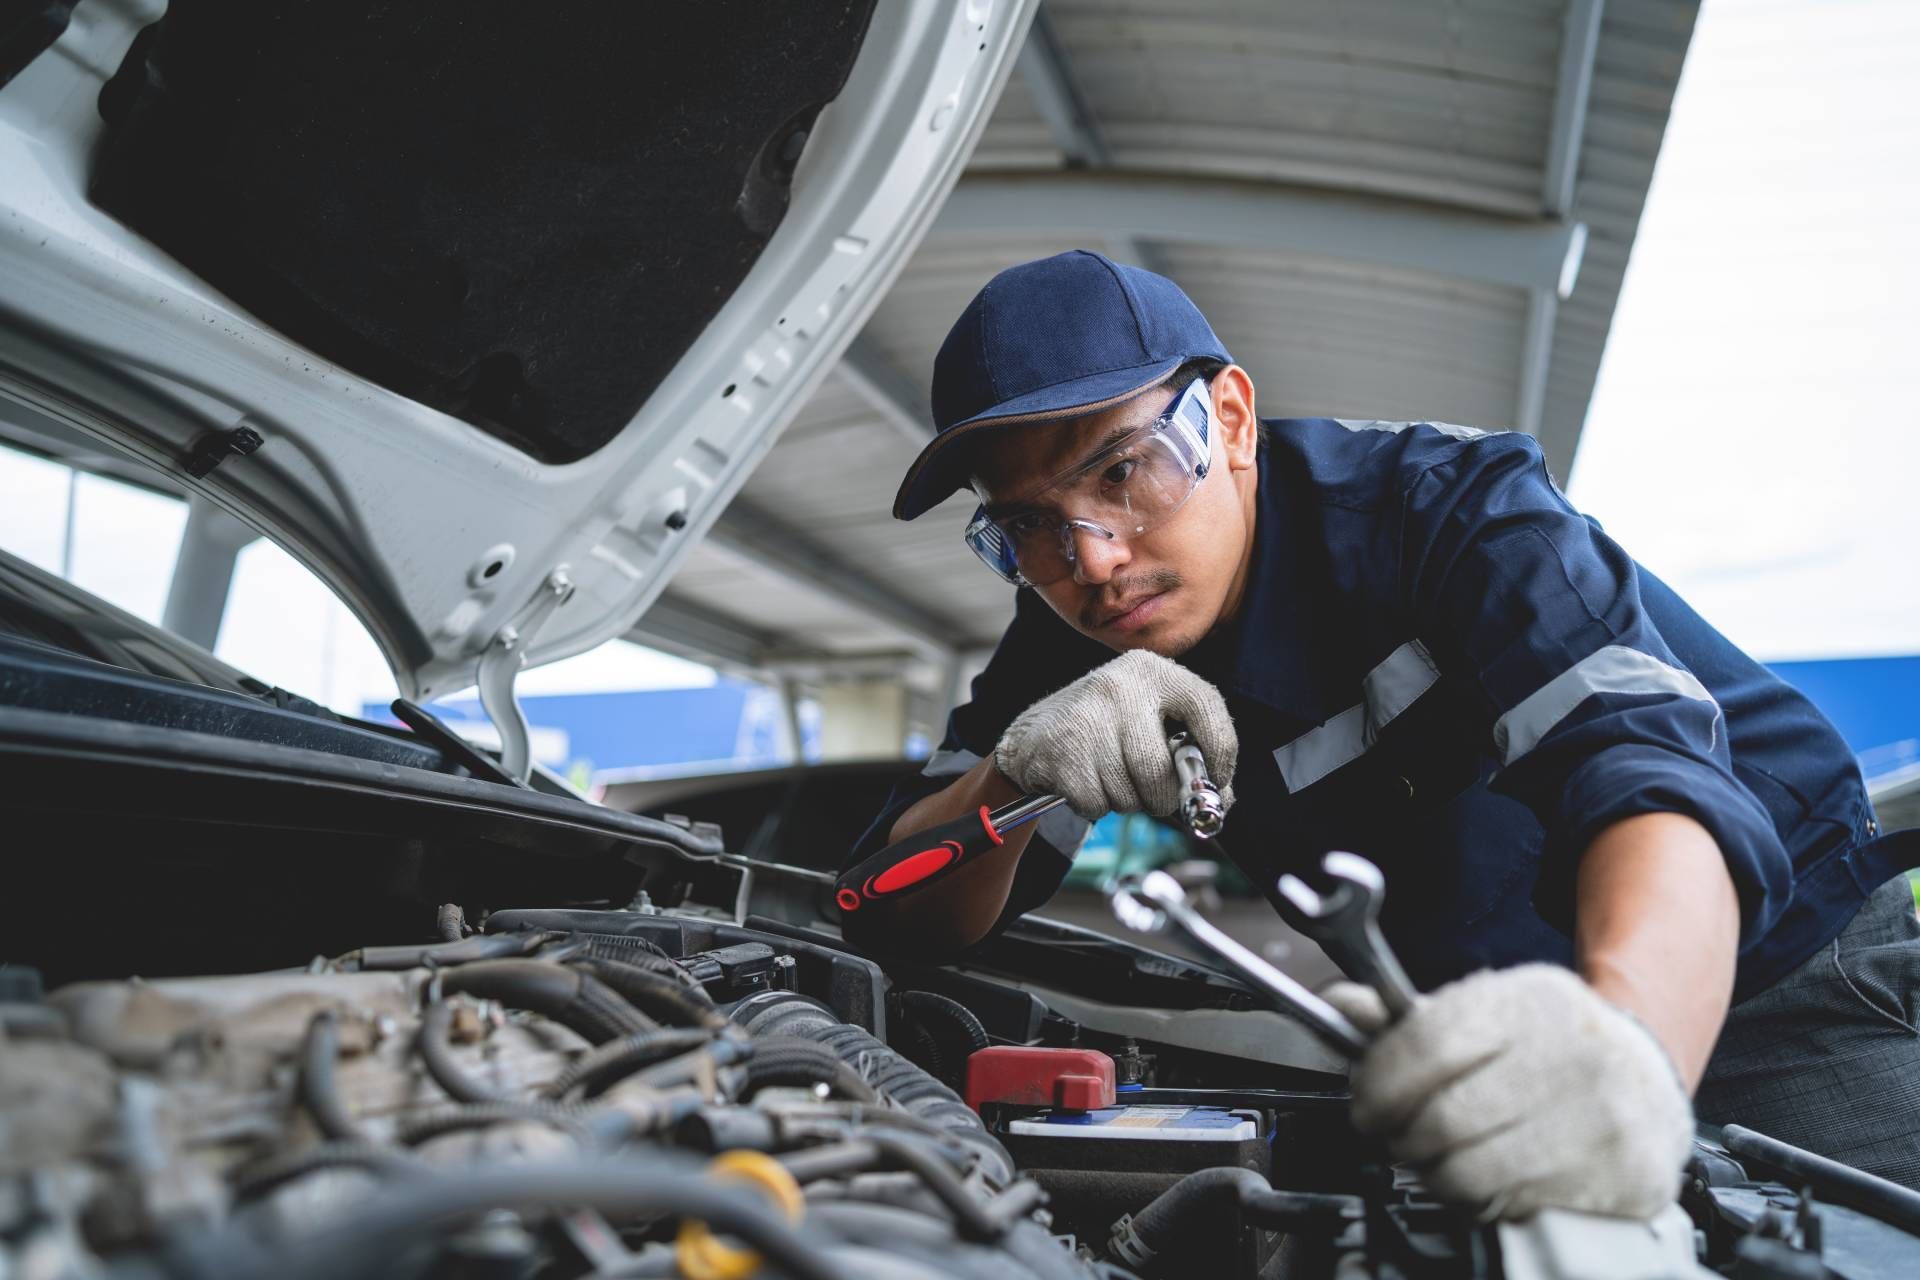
column 1150, row 903
column 1346, row 923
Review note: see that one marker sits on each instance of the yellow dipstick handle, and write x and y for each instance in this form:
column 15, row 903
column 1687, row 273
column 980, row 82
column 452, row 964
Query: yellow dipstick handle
column 700, row 1254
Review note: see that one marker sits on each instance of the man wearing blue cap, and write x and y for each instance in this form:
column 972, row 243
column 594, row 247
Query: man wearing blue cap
column 1601, row 823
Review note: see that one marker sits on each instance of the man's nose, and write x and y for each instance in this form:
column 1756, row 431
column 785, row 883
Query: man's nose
column 1095, row 558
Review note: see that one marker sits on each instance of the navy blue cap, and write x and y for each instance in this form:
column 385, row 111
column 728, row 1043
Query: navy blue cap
column 1057, row 338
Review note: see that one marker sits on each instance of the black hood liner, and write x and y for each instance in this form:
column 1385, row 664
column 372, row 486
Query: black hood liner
column 520, row 214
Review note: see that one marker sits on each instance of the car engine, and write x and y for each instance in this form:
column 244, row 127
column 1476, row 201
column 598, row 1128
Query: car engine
column 641, row 1092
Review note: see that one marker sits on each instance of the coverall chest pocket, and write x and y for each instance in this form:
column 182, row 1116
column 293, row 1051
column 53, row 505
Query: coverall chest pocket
column 1414, row 766
column 1430, row 755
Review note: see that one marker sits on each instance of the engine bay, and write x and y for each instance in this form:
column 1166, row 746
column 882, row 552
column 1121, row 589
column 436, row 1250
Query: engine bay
column 640, row 1092
column 245, row 1031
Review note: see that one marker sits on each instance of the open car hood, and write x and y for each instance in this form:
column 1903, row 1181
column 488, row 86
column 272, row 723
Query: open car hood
column 499, row 456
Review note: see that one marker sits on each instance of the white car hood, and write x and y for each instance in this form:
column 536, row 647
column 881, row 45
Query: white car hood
column 458, row 551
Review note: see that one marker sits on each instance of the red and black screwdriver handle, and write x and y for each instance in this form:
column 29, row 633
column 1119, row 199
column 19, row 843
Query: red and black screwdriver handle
column 909, row 864
column 924, row 856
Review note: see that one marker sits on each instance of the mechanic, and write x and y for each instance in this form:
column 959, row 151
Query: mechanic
column 1400, row 639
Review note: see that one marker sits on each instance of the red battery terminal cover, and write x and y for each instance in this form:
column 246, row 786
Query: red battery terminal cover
column 1034, row 1075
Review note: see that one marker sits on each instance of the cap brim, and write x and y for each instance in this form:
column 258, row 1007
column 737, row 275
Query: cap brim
column 941, row 469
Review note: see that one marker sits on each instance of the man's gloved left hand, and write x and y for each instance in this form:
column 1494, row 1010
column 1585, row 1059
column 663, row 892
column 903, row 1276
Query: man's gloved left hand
column 1522, row 1089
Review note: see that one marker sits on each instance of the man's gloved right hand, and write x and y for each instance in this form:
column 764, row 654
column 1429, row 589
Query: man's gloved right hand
column 1523, row 1089
column 1101, row 742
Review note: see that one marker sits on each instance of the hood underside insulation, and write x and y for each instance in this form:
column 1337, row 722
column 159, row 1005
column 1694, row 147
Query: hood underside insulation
column 521, row 215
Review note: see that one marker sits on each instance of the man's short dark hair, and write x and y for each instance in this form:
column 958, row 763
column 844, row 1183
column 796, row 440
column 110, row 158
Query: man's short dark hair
column 1201, row 367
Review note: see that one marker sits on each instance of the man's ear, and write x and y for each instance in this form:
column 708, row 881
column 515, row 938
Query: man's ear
column 1236, row 424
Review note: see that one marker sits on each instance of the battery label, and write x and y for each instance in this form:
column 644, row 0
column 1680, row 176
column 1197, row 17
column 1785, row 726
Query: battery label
column 1184, row 1124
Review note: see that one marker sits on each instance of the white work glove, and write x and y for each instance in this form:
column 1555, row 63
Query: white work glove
column 1521, row 1089
column 1102, row 741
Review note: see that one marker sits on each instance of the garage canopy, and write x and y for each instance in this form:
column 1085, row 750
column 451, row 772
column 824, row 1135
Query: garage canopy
column 1391, row 209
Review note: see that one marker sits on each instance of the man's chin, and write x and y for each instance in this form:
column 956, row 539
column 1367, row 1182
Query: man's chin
column 1166, row 638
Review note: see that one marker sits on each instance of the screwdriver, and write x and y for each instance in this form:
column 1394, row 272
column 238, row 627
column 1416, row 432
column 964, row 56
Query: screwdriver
column 910, row 863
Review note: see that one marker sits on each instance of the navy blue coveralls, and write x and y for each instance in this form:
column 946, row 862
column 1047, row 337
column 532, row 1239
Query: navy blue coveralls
column 1440, row 664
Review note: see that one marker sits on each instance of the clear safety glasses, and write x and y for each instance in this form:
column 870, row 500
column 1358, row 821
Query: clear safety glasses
column 1125, row 490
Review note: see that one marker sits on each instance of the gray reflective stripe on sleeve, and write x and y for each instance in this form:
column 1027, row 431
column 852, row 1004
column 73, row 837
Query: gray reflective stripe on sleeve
column 1388, row 689
column 1444, row 428
column 948, row 764
column 1614, row 669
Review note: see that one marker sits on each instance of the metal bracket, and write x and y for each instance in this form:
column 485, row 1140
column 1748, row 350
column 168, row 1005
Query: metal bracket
column 500, row 666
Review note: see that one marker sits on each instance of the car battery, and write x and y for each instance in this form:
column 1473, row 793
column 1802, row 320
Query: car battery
column 1061, row 1108
column 1163, row 1139
column 1101, row 1163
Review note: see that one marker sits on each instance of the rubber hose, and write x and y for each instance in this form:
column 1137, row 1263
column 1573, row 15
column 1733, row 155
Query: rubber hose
column 319, row 1091
column 1026, row 1252
column 923, row 1048
column 917, row 1092
column 789, row 1060
column 973, row 1032
column 641, row 954
column 587, row 1123
column 575, row 1000
column 435, row 1046
column 656, row 995
column 969, row 1213
column 1210, row 1202
column 1206, row 1202
column 976, row 1218
column 442, row 955
column 421, row 1209
column 1830, row 1179
column 674, row 1072
column 1298, row 1210
column 778, row 1013
column 619, row 1058
column 277, row 1171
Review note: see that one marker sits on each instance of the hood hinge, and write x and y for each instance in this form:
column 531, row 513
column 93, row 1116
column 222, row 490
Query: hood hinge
column 500, row 666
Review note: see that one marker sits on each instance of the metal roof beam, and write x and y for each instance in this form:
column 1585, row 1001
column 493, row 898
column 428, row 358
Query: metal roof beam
column 768, row 543
column 873, row 377
column 1579, row 45
column 676, row 625
column 1056, row 96
column 1527, row 254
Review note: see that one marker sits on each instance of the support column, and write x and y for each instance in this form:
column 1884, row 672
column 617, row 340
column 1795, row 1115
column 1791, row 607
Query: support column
column 790, row 719
column 203, row 572
column 861, row 720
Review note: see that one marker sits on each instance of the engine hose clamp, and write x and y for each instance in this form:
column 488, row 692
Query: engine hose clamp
column 1126, row 1245
column 700, row 1254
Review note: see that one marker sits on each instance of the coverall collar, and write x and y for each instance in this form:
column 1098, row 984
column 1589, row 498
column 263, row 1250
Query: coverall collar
column 1270, row 650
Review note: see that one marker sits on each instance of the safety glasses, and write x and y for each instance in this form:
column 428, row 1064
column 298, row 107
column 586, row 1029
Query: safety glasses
column 1127, row 489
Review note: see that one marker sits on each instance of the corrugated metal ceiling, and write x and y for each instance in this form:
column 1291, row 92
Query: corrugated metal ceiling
column 1430, row 105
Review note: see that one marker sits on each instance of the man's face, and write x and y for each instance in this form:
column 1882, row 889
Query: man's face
column 1164, row 589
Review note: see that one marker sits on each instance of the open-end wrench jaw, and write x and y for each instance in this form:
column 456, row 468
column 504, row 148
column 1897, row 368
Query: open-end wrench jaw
column 1155, row 902
column 1345, row 921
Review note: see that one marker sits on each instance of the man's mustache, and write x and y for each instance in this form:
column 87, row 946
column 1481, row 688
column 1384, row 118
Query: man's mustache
column 1112, row 593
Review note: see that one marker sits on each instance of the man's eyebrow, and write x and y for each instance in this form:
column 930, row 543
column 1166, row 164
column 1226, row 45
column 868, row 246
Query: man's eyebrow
column 997, row 510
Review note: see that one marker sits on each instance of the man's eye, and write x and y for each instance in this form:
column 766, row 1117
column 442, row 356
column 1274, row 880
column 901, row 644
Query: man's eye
column 1118, row 471
column 1027, row 526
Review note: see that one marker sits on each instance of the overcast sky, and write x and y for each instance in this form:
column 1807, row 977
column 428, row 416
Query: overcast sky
column 1753, row 437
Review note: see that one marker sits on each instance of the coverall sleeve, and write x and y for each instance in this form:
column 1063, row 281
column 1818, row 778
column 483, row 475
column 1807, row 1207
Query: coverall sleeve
column 1591, row 716
column 1029, row 663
